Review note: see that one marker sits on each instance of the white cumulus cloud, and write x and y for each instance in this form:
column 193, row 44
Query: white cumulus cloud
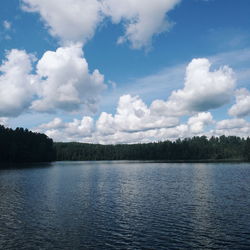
column 242, row 106
column 198, row 122
column 133, row 122
column 70, row 20
column 235, row 127
column 62, row 82
column 65, row 82
column 56, row 123
column 71, row 131
column 16, row 83
column 231, row 124
column 142, row 18
column 203, row 90
column 133, row 115
column 77, row 20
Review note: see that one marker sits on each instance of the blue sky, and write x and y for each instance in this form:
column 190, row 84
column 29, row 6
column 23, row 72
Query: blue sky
column 133, row 71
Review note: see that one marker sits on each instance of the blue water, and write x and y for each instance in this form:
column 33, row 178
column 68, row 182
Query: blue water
column 125, row 205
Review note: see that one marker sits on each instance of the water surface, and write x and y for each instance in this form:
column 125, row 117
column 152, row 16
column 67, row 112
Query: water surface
column 125, row 205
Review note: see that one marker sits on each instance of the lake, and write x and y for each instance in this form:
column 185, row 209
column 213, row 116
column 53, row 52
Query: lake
column 125, row 205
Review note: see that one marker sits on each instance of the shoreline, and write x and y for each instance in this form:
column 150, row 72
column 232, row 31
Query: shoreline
column 135, row 161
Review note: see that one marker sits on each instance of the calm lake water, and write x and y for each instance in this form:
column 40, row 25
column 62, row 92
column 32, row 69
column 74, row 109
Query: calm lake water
column 125, row 205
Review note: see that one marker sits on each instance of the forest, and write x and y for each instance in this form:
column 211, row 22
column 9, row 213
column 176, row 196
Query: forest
column 22, row 145
column 189, row 149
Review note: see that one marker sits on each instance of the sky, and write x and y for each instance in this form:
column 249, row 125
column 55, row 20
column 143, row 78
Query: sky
column 127, row 71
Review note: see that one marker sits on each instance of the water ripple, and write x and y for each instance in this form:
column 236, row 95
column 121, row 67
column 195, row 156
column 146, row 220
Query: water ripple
column 126, row 206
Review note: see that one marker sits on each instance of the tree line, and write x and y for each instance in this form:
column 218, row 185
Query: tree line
column 189, row 149
column 22, row 145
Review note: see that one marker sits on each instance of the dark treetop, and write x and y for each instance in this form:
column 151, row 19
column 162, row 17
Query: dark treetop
column 22, row 145
column 190, row 149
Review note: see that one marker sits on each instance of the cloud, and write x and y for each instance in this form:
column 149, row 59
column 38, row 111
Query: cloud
column 56, row 123
column 72, row 131
column 242, row 106
column 65, row 82
column 133, row 122
column 62, row 82
column 4, row 121
column 113, row 135
column 199, row 121
column 235, row 127
column 133, row 115
column 7, row 25
column 77, row 20
column 142, row 19
column 16, row 83
column 171, row 78
column 166, row 81
column 231, row 124
column 203, row 90
column 82, row 127
column 106, row 131
column 69, row 20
